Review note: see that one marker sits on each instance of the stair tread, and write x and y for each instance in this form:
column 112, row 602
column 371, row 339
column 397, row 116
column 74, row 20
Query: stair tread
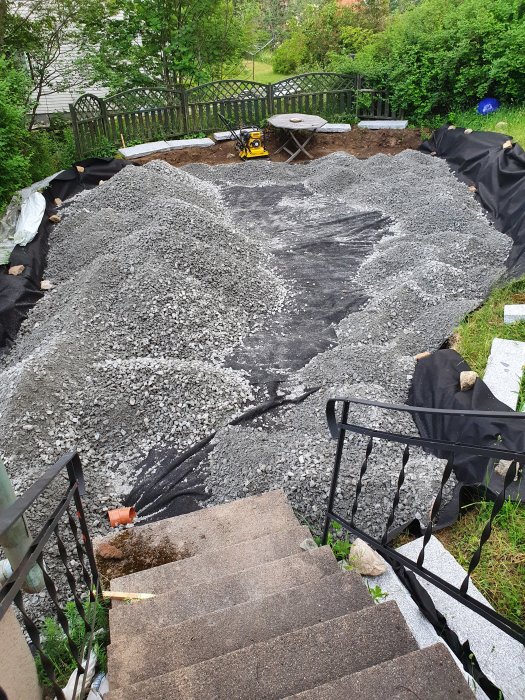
column 425, row 674
column 292, row 662
column 183, row 602
column 206, row 637
column 219, row 526
column 215, row 563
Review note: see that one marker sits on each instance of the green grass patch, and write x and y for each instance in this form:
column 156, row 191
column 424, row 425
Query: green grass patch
column 474, row 336
column 513, row 117
column 263, row 72
column 56, row 647
column 500, row 574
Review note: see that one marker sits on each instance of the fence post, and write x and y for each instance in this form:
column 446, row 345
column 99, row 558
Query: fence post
column 269, row 95
column 184, row 110
column 104, row 117
column 74, row 126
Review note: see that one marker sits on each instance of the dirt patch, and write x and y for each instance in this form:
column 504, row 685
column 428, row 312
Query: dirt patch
column 361, row 143
column 130, row 551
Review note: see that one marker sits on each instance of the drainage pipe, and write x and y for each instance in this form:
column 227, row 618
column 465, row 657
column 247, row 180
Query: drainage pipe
column 16, row 540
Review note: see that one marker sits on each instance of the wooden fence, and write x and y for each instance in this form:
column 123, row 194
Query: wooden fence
column 148, row 114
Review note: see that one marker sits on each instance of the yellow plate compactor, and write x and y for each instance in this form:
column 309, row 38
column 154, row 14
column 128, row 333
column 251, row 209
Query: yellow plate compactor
column 249, row 140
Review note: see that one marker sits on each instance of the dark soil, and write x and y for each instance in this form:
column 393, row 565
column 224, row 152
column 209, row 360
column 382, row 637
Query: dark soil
column 361, row 143
column 129, row 552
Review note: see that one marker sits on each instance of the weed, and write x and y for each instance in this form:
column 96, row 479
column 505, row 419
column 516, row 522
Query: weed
column 376, row 592
column 340, row 545
column 55, row 644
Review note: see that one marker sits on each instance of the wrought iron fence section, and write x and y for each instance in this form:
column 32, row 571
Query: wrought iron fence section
column 153, row 113
column 341, row 426
column 68, row 512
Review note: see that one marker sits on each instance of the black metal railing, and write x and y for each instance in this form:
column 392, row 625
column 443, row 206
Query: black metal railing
column 341, row 426
column 65, row 531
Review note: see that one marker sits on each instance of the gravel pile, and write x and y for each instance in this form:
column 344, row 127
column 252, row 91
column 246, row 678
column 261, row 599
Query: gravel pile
column 154, row 287
column 157, row 285
column 436, row 262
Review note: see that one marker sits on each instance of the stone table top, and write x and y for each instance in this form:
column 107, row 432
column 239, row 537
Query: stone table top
column 307, row 122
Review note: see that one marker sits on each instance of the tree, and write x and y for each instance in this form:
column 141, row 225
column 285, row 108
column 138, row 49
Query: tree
column 160, row 42
column 36, row 32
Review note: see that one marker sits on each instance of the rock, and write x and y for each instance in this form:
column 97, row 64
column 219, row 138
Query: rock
column 57, row 202
column 16, row 270
column 472, row 188
column 421, row 355
column 467, row 380
column 507, row 144
column 45, row 285
column 55, row 218
column 365, row 561
column 451, row 127
column 468, row 131
column 109, row 551
column 80, row 168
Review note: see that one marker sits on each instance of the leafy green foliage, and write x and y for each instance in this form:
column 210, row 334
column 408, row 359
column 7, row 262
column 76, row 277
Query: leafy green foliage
column 377, row 593
column 340, row 545
column 507, row 120
column 448, row 54
column 129, row 43
column 55, row 644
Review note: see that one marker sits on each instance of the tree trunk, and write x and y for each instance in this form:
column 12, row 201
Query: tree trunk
column 3, row 19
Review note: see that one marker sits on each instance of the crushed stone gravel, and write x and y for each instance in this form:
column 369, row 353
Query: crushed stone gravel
column 157, row 285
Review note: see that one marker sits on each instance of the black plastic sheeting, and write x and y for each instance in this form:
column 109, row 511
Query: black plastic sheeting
column 19, row 293
column 498, row 173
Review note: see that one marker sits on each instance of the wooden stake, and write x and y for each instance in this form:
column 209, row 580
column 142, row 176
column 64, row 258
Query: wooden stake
column 124, row 595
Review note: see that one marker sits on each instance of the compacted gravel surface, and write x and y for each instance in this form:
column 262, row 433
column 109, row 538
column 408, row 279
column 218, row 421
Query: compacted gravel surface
column 177, row 305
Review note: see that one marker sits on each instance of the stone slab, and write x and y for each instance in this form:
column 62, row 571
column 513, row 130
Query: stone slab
column 18, row 677
column 334, row 129
column 190, row 143
column 513, row 313
column 383, row 124
column 225, row 135
column 220, row 526
column 216, row 563
column 492, row 647
column 426, row 674
column 287, row 664
column 144, row 149
column 184, row 602
column 206, row 637
column 505, row 370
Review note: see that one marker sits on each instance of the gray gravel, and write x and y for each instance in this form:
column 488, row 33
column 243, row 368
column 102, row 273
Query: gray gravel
column 156, row 286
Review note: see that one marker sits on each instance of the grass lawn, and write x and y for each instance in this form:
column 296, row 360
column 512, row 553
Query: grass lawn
column 514, row 118
column 500, row 574
column 263, row 72
column 474, row 336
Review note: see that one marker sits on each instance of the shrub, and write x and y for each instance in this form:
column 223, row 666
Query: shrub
column 290, row 55
column 444, row 55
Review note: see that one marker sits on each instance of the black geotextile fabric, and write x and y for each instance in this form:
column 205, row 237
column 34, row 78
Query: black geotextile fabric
column 19, row 293
column 498, row 173
column 435, row 384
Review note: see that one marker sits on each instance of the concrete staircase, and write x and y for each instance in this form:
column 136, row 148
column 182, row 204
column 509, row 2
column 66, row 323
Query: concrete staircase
column 252, row 615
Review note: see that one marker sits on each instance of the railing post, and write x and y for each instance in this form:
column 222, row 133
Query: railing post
column 335, row 473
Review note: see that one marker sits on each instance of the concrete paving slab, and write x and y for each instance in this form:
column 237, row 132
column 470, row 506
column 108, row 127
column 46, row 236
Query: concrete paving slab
column 190, row 143
column 383, row 124
column 144, row 149
column 225, row 135
column 505, row 370
column 492, row 647
column 513, row 313
column 334, row 129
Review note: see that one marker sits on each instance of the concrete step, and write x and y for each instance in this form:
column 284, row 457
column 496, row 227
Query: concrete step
column 215, row 563
column 288, row 664
column 426, row 674
column 220, row 526
column 201, row 638
column 184, row 602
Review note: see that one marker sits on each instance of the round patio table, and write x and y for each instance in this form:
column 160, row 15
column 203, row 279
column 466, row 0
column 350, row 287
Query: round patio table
column 299, row 130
